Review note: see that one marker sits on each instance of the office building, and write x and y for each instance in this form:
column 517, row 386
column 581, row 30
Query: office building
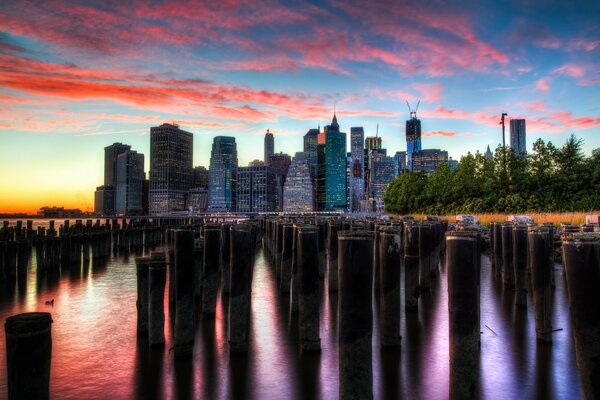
column 256, row 189
column 372, row 143
column 298, row 191
column 428, row 160
column 170, row 168
column 269, row 147
column 357, row 174
column 517, row 136
column 110, row 162
column 453, row 164
column 197, row 199
column 399, row 162
column 256, row 163
column 104, row 200
column 222, row 175
column 413, row 139
column 311, row 139
column 331, row 168
column 129, row 189
column 200, row 177
column 382, row 173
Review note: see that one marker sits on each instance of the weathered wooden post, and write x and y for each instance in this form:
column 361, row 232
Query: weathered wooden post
column 157, row 277
column 462, row 261
column 225, row 257
column 581, row 253
column 411, row 266
column 294, row 283
column 390, row 270
column 332, row 254
column 520, row 250
column 507, row 255
column 286, row 259
column 355, row 268
column 425, row 254
column 322, row 242
column 184, row 304
column 541, row 259
column 28, row 355
column 308, row 287
column 142, row 264
column 497, row 249
column 239, row 294
column 210, row 282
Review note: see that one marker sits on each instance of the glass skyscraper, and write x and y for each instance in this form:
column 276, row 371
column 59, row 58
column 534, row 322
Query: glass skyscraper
column 222, row 175
column 399, row 162
column 413, row 140
column 130, row 183
column 311, row 140
column 331, row 169
column 357, row 173
column 269, row 147
column 170, row 168
column 517, row 136
column 256, row 189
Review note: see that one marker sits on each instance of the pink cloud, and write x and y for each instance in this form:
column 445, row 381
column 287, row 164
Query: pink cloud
column 543, row 84
column 583, row 44
column 449, row 133
column 430, row 92
column 571, row 70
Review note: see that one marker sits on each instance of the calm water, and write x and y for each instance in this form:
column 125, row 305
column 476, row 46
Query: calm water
column 96, row 353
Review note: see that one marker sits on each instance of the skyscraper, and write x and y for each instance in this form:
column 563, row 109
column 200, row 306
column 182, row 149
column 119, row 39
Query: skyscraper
column 298, row 192
column 357, row 174
column 280, row 163
column 399, row 162
column 311, row 139
column 170, row 168
column 222, row 175
column 488, row 154
column 517, row 136
column 372, row 142
column 104, row 200
column 382, row 173
column 269, row 147
column 331, row 169
column 413, row 138
column 110, row 162
column 130, row 183
column 200, row 177
column 256, row 189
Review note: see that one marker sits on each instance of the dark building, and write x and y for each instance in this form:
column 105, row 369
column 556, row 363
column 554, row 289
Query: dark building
column 281, row 164
column 200, row 177
column 130, row 183
column 110, row 162
column 399, row 162
column 357, row 174
column 488, row 154
column 197, row 199
column 170, row 168
column 298, row 192
column 517, row 136
column 331, row 168
column 311, row 140
column 429, row 159
column 269, row 147
column 256, row 189
column 222, row 175
column 413, row 139
column 104, row 200
column 146, row 196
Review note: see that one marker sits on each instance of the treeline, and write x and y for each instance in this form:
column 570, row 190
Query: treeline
column 549, row 179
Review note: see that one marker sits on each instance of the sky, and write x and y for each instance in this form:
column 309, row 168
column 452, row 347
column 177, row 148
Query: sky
column 78, row 76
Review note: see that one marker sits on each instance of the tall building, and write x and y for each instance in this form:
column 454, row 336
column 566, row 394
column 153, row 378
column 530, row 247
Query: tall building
column 256, row 189
column 129, row 189
column 311, row 139
column 280, row 163
column 104, row 200
column 413, row 139
column 357, row 174
column 331, row 168
column 170, row 168
column 222, row 175
column 372, row 143
column 517, row 136
column 269, row 147
column 382, row 173
column 200, row 177
column 488, row 154
column 453, row 164
column 298, row 191
column 429, row 159
column 110, row 162
column 399, row 162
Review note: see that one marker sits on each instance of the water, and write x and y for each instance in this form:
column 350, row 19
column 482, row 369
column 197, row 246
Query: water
column 96, row 354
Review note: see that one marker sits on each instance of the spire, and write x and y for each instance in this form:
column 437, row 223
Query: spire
column 334, row 121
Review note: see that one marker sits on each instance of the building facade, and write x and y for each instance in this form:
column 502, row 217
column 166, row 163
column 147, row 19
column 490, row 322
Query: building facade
column 382, row 174
column 517, row 136
column 428, row 160
column 200, row 177
column 298, row 191
column 256, row 189
column 311, row 142
column 129, row 189
column 357, row 173
column 222, row 175
column 331, row 168
column 269, row 147
column 413, row 140
column 280, row 163
column 197, row 199
column 399, row 162
column 104, row 200
column 170, row 168
column 110, row 162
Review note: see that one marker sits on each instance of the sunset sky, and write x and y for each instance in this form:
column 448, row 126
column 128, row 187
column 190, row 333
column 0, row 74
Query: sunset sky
column 78, row 76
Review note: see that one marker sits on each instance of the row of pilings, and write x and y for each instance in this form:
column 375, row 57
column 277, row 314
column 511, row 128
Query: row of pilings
column 361, row 260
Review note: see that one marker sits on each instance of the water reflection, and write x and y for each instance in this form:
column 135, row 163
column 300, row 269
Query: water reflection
column 96, row 352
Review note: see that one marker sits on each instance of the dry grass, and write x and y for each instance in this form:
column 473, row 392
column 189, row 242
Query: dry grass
column 576, row 218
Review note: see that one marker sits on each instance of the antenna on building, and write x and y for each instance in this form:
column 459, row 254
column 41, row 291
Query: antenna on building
column 413, row 113
column 377, row 131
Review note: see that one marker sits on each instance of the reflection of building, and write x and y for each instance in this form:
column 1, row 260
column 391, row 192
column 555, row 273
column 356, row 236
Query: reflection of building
column 331, row 170
column 517, row 136
column 399, row 162
column 413, row 139
column 170, row 168
column 129, row 190
column 298, row 192
column 256, row 189
column 197, row 199
column 428, row 159
column 269, row 147
column 357, row 173
column 222, row 174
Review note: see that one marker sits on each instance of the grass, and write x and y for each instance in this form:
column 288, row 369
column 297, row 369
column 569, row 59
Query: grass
column 575, row 218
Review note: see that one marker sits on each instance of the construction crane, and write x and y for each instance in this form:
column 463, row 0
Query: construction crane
column 413, row 113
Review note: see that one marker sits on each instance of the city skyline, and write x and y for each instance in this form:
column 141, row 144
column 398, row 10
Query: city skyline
column 68, row 89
